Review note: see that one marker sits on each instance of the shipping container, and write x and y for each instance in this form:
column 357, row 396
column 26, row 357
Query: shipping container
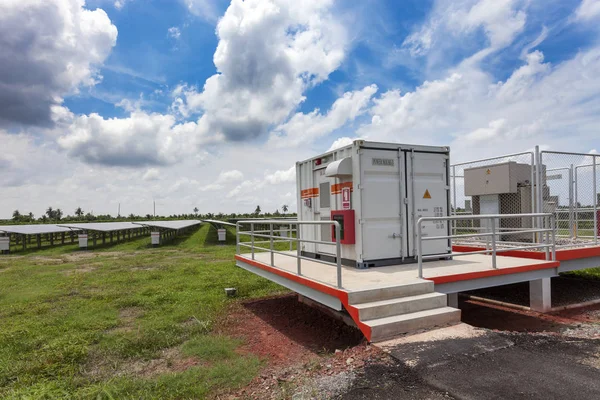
column 377, row 191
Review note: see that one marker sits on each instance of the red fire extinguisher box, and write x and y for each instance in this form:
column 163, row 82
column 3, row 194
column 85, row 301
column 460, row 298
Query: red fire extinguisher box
column 346, row 221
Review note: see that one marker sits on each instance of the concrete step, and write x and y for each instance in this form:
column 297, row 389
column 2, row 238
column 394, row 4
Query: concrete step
column 389, row 327
column 414, row 288
column 402, row 305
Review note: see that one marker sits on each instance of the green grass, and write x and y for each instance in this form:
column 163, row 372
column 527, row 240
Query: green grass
column 74, row 324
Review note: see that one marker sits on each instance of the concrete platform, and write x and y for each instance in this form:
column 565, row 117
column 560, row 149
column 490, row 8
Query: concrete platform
column 389, row 301
column 464, row 267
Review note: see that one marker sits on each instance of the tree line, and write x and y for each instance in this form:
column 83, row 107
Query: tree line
column 56, row 215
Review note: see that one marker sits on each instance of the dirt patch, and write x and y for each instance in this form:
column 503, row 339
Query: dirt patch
column 80, row 270
column 305, row 350
column 127, row 318
column 43, row 260
column 170, row 360
column 579, row 322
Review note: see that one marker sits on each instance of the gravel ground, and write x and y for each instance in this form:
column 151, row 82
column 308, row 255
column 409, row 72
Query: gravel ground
column 565, row 291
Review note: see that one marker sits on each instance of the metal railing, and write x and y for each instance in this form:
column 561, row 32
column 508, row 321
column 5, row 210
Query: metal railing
column 545, row 227
column 272, row 239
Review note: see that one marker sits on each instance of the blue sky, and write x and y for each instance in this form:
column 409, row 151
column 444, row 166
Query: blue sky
column 209, row 103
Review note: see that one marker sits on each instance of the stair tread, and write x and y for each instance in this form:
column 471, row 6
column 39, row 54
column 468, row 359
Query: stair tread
column 398, row 300
column 411, row 316
column 407, row 289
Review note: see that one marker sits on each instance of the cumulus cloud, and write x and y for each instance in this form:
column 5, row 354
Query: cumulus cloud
column 142, row 139
column 449, row 23
column 205, row 9
column 305, row 128
column 341, row 142
column 537, row 103
column 152, row 174
column 259, row 82
column 52, row 52
column 588, row 10
column 230, row 176
column 174, row 32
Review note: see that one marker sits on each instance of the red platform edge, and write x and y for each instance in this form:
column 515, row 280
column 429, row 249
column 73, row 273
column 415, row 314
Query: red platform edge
column 561, row 254
column 330, row 290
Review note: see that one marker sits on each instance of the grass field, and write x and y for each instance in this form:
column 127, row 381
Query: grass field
column 122, row 321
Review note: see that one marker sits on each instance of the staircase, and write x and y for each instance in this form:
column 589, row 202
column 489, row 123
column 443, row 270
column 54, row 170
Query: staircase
column 397, row 310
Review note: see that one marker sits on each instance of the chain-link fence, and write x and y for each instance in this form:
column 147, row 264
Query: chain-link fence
column 499, row 185
column 569, row 186
column 572, row 194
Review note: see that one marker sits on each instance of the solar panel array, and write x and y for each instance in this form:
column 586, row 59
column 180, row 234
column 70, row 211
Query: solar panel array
column 104, row 226
column 180, row 224
column 34, row 229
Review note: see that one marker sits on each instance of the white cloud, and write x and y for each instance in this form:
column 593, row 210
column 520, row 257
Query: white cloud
column 305, row 128
column 152, row 174
column 230, row 176
column 588, row 10
column 341, row 142
column 174, row 32
column 205, row 9
column 450, row 24
column 538, row 103
column 138, row 140
column 48, row 50
column 282, row 176
column 259, row 82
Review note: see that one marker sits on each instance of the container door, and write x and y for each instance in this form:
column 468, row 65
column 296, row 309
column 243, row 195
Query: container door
column 324, row 208
column 428, row 194
column 381, row 185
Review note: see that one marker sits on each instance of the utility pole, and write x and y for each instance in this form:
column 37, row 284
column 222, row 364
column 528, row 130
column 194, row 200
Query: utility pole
column 119, row 212
column 154, row 202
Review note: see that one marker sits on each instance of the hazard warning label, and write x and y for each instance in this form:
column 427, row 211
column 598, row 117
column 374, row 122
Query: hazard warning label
column 427, row 195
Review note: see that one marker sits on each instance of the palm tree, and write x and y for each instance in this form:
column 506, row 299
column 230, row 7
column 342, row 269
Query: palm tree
column 50, row 213
column 196, row 211
column 17, row 215
column 284, row 208
column 58, row 214
column 30, row 216
column 79, row 212
column 257, row 211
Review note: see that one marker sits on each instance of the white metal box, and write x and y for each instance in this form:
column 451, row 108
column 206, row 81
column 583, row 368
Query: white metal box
column 154, row 238
column 496, row 179
column 83, row 240
column 222, row 234
column 390, row 185
column 4, row 243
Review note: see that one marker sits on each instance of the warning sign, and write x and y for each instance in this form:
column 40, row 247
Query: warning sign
column 427, row 195
column 489, row 171
column 346, row 198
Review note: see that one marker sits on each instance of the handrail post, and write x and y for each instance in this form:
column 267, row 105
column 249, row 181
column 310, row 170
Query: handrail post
column 553, row 230
column 298, row 250
column 252, row 238
column 493, row 221
column 419, row 249
column 338, row 253
column 271, row 245
column 237, row 237
column 290, row 237
column 595, row 194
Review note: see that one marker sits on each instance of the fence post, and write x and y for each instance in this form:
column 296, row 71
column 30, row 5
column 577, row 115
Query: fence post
column 573, row 233
column 338, row 253
column 290, row 236
column 454, row 206
column 419, row 249
column 553, row 227
column 538, row 180
column 298, row 249
column 271, row 245
column 595, row 194
column 493, row 223
column 252, row 238
column 237, row 237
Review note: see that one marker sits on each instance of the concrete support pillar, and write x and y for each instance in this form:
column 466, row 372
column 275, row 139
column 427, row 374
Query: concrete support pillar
column 540, row 297
column 39, row 240
column 24, row 243
column 103, row 238
column 111, row 237
column 94, row 236
column 453, row 300
column 62, row 237
column 51, row 239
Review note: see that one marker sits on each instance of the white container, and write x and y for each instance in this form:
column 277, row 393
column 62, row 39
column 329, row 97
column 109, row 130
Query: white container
column 391, row 187
column 83, row 240
column 155, row 238
column 4, row 243
column 222, row 233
